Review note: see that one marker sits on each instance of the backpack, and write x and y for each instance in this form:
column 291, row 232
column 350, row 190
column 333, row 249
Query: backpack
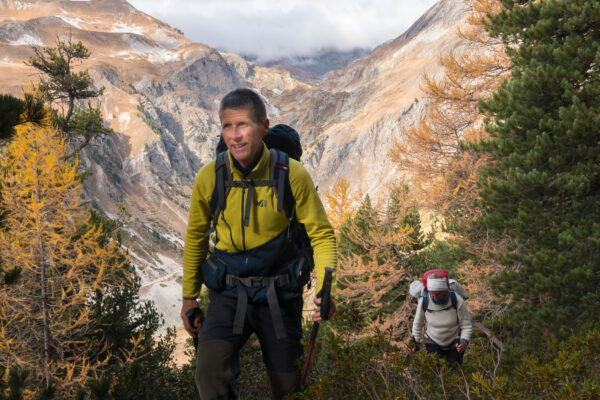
column 419, row 289
column 283, row 142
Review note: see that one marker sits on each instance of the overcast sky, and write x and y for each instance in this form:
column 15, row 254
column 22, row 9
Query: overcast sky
column 270, row 29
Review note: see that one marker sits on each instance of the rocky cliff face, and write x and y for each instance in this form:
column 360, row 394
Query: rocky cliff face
column 161, row 98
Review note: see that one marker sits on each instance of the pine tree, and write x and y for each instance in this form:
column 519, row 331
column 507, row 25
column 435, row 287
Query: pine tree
column 15, row 111
column 64, row 91
column 10, row 112
column 542, row 190
column 44, row 316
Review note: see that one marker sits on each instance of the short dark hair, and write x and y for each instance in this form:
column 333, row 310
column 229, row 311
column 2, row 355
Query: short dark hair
column 245, row 98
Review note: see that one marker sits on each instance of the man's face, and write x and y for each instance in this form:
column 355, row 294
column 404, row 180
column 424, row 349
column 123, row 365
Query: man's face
column 242, row 135
column 438, row 296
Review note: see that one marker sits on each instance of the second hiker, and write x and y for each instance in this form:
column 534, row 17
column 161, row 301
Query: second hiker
column 257, row 271
column 445, row 317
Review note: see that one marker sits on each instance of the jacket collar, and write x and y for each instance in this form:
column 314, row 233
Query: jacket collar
column 263, row 162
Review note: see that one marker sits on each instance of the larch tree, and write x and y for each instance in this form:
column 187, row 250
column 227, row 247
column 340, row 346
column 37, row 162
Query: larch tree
column 542, row 189
column 375, row 246
column 44, row 315
column 444, row 172
column 340, row 203
column 431, row 152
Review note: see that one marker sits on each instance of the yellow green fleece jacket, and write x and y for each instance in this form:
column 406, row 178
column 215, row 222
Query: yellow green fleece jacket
column 266, row 223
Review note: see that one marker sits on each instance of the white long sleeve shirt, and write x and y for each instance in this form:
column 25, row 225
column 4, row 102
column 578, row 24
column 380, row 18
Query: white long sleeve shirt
column 442, row 326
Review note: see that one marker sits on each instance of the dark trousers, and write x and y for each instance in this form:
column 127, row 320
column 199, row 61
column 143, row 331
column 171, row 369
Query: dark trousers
column 448, row 352
column 218, row 364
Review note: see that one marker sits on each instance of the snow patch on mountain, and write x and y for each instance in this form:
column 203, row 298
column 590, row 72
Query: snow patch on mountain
column 165, row 39
column 26, row 40
column 124, row 119
column 153, row 54
column 20, row 34
column 76, row 22
column 125, row 28
column 174, row 239
column 21, row 5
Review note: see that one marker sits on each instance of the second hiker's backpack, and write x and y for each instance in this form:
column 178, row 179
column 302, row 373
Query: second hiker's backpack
column 419, row 289
column 283, row 142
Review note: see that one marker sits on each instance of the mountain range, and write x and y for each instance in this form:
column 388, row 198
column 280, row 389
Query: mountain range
column 161, row 97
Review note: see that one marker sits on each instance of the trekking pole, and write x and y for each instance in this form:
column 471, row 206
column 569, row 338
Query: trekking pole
column 325, row 296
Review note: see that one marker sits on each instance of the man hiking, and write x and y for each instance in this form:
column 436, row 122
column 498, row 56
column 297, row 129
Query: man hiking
column 446, row 318
column 256, row 273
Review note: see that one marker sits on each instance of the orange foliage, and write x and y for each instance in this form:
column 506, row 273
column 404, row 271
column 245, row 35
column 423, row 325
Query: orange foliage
column 371, row 279
column 44, row 317
column 444, row 174
column 340, row 203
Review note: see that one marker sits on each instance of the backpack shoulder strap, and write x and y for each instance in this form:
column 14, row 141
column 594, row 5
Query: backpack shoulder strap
column 221, row 190
column 453, row 299
column 280, row 175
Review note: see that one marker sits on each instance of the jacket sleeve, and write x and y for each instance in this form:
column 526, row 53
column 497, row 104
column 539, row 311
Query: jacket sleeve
column 464, row 320
column 311, row 213
column 419, row 321
column 196, row 242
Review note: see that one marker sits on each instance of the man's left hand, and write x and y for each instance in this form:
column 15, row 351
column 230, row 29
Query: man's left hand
column 316, row 315
column 461, row 347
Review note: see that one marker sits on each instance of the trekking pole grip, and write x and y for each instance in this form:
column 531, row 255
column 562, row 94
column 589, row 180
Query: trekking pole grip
column 326, row 294
column 191, row 315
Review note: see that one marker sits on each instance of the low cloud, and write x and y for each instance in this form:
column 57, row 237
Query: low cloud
column 269, row 29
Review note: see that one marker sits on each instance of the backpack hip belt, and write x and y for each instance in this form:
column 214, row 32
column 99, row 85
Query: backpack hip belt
column 242, row 299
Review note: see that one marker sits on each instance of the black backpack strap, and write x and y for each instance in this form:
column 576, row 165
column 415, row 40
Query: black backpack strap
column 453, row 299
column 279, row 172
column 221, row 190
column 425, row 300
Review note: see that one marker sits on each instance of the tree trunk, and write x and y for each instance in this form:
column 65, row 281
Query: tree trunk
column 43, row 281
column 46, row 324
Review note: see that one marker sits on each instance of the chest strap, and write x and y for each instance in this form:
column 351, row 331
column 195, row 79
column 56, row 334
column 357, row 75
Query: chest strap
column 250, row 185
column 242, row 299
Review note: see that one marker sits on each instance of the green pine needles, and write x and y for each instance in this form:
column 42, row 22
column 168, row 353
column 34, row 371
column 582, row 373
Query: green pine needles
column 542, row 190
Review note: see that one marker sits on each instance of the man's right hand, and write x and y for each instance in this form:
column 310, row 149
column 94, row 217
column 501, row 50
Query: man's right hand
column 189, row 304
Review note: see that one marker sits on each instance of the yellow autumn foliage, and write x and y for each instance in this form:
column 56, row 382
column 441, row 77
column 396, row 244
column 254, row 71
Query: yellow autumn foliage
column 45, row 316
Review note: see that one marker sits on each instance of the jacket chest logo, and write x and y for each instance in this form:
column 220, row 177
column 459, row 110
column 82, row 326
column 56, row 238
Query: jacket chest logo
column 261, row 203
